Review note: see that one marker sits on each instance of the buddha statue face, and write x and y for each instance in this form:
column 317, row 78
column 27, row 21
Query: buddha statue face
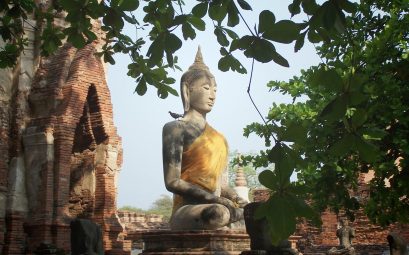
column 200, row 94
column 198, row 87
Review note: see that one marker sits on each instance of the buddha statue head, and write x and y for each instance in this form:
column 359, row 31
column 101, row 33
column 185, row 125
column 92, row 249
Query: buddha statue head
column 198, row 87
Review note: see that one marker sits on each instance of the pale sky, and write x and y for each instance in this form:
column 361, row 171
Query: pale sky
column 140, row 119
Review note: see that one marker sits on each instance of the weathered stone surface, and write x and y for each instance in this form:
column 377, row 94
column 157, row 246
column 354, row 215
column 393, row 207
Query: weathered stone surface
column 201, row 242
column 86, row 238
column 17, row 196
column 195, row 157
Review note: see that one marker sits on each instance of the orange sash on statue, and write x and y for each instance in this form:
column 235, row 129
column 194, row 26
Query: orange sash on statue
column 203, row 162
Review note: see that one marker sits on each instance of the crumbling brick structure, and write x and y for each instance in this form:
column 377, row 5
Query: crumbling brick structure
column 369, row 239
column 60, row 153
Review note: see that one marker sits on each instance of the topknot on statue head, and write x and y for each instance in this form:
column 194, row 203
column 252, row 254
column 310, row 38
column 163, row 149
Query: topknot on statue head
column 196, row 71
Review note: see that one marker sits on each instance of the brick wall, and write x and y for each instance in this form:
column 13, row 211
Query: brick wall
column 71, row 151
column 133, row 221
column 370, row 239
column 3, row 168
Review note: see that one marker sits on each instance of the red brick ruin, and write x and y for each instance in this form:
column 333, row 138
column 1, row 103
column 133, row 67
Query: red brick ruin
column 369, row 239
column 60, row 153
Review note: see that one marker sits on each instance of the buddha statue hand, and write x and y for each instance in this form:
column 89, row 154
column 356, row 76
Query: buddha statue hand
column 240, row 202
column 236, row 213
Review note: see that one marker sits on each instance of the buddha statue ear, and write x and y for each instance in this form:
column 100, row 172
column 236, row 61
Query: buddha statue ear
column 185, row 96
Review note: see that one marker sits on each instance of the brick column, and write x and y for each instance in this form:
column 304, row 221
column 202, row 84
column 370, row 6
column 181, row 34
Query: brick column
column 14, row 238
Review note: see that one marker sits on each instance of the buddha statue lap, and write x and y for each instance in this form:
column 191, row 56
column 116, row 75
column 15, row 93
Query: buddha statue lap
column 195, row 159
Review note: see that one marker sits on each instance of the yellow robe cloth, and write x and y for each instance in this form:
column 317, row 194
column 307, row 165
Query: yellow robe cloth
column 203, row 162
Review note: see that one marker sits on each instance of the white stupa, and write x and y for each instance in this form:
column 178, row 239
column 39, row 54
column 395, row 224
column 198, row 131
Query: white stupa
column 241, row 183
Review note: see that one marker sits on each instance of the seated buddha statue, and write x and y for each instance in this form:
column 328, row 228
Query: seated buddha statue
column 345, row 235
column 195, row 158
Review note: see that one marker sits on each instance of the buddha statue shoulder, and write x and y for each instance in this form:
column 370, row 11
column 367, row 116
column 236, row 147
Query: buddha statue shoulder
column 195, row 158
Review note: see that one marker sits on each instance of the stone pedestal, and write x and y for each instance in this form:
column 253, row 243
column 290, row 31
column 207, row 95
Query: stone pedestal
column 198, row 242
column 263, row 252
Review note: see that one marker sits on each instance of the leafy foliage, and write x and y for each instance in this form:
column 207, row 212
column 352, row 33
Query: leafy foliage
column 131, row 209
column 161, row 206
column 162, row 18
column 349, row 115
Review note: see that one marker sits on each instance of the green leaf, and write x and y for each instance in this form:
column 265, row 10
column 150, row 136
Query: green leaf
column 324, row 34
column 141, row 88
column 299, row 43
column 200, row 10
column 268, row 179
column 134, row 70
column 156, row 50
column 70, row 5
column 28, row 5
column 356, row 98
column 309, row 6
column 280, row 59
column 265, row 20
column 284, row 164
column 90, row 35
column 374, row 134
column 347, row 6
column 359, row 117
column 162, row 92
column 223, row 51
column 169, row 58
column 301, row 208
column 15, row 11
column 128, row 5
column 231, row 33
column 329, row 14
column 356, row 81
column 221, row 37
column 217, row 11
column 244, row 5
column 261, row 50
column 313, row 36
column 171, row 90
column 343, row 146
column 108, row 58
column 197, row 23
column 331, row 79
column 113, row 18
column 367, row 151
column 335, row 110
column 224, row 64
column 233, row 15
column 340, row 22
column 294, row 8
column 130, row 19
column 229, row 62
column 180, row 19
column 284, row 31
column 188, row 31
column 281, row 220
column 77, row 40
column 294, row 132
column 8, row 56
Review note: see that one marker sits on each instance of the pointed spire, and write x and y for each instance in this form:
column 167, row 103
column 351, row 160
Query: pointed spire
column 199, row 57
column 198, row 64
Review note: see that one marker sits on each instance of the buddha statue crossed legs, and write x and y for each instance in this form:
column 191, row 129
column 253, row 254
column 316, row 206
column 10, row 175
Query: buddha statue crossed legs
column 195, row 158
